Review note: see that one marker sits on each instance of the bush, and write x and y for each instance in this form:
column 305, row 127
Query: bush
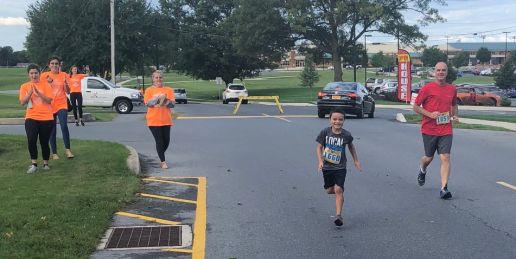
column 505, row 101
column 391, row 96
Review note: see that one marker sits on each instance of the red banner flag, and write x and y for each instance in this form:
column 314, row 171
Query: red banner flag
column 404, row 75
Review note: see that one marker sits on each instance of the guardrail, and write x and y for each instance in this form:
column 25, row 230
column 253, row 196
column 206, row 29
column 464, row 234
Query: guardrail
column 274, row 98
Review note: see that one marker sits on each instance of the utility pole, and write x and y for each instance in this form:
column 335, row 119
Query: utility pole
column 367, row 57
column 447, row 37
column 112, row 9
column 505, row 54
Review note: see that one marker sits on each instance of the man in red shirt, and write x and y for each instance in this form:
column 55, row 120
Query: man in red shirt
column 437, row 102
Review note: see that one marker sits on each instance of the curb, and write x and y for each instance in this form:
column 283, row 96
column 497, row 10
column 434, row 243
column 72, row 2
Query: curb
column 133, row 161
column 87, row 117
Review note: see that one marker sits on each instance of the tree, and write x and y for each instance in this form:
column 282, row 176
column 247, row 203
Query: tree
column 309, row 75
column 6, row 55
column 215, row 35
column 483, row 55
column 461, row 59
column 381, row 60
column 432, row 56
column 79, row 32
column 335, row 26
column 452, row 75
column 505, row 78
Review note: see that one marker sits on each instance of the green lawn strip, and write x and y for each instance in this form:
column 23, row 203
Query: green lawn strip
column 12, row 78
column 504, row 118
column 63, row 212
column 416, row 119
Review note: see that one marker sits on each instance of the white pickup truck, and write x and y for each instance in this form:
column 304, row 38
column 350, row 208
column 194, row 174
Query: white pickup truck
column 98, row 92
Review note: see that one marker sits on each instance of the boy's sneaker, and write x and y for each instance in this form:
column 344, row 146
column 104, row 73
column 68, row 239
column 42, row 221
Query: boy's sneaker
column 46, row 167
column 32, row 169
column 55, row 157
column 77, row 123
column 445, row 194
column 82, row 123
column 338, row 221
column 421, row 177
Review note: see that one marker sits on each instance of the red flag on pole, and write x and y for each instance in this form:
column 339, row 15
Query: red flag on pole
column 404, row 75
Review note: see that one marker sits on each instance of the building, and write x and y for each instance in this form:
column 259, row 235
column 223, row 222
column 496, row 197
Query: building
column 497, row 49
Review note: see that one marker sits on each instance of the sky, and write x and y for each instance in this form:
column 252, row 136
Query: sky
column 488, row 19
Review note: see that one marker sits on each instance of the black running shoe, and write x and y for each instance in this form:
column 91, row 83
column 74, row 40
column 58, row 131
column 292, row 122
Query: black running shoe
column 421, row 178
column 338, row 221
column 445, row 194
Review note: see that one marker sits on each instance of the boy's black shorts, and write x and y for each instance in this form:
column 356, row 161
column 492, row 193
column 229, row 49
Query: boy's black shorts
column 334, row 177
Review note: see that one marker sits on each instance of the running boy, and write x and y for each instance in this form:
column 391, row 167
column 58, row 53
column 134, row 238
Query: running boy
column 331, row 155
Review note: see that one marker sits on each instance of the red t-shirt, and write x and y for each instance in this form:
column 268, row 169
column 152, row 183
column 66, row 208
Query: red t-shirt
column 434, row 97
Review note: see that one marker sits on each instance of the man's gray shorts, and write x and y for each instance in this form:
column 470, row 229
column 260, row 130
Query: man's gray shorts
column 442, row 144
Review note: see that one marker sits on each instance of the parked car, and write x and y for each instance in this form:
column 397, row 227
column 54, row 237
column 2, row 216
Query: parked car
column 351, row 66
column 331, row 68
column 385, row 84
column 98, row 92
column 352, row 97
column 388, row 87
column 370, row 82
column 486, row 72
column 233, row 92
column 180, row 94
column 511, row 93
column 471, row 95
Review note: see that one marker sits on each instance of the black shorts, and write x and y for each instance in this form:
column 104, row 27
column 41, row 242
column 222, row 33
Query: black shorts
column 334, row 177
column 442, row 144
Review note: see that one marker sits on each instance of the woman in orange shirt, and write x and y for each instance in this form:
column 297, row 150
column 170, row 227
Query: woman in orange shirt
column 58, row 82
column 159, row 99
column 76, row 93
column 36, row 95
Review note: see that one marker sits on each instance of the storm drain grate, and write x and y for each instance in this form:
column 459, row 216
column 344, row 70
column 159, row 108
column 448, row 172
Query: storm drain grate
column 144, row 237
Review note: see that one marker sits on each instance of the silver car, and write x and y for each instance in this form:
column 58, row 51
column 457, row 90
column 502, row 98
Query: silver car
column 180, row 94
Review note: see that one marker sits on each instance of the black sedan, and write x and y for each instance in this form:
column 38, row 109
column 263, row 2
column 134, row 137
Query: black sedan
column 351, row 97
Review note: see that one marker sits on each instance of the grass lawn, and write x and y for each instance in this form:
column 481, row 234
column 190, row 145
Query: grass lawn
column 504, row 118
column 11, row 108
column 63, row 212
column 285, row 84
column 416, row 119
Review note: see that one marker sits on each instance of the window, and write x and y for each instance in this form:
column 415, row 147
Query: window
column 236, row 87
column 341, row 87
column 94, row 84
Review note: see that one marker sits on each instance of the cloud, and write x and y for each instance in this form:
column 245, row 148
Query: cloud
column 13, row 21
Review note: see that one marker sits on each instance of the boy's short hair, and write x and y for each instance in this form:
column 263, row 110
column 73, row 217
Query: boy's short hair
column 337, row 110
column 33, row 66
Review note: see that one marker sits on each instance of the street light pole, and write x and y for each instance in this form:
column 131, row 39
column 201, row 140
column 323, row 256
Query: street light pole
column 505, row 54
column 112, row 11
column 367, row 57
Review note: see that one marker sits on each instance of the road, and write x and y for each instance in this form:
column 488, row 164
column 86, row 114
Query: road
column 265, row 198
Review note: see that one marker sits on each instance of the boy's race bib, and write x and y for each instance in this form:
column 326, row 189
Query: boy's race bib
column 332, row 156
column 443, row 118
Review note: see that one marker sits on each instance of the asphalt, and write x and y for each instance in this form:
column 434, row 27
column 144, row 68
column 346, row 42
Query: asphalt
column 266, row 201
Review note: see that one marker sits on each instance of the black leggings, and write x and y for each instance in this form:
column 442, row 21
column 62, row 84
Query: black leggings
column 162, row 137
column 76, row 100
column 35, row 128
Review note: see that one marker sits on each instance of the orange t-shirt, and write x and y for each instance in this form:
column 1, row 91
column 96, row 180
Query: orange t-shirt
column 159, row 116
column 75, row 83
column 40, row 110
column 58, row 89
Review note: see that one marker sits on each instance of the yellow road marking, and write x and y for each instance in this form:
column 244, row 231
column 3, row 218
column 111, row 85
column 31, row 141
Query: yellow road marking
column 510, row 186
column 171, row 182
column 199, row 241
column 166, row 198
column 189, row 251
column 174, row 177
column 277, row 117
column 151, row 219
